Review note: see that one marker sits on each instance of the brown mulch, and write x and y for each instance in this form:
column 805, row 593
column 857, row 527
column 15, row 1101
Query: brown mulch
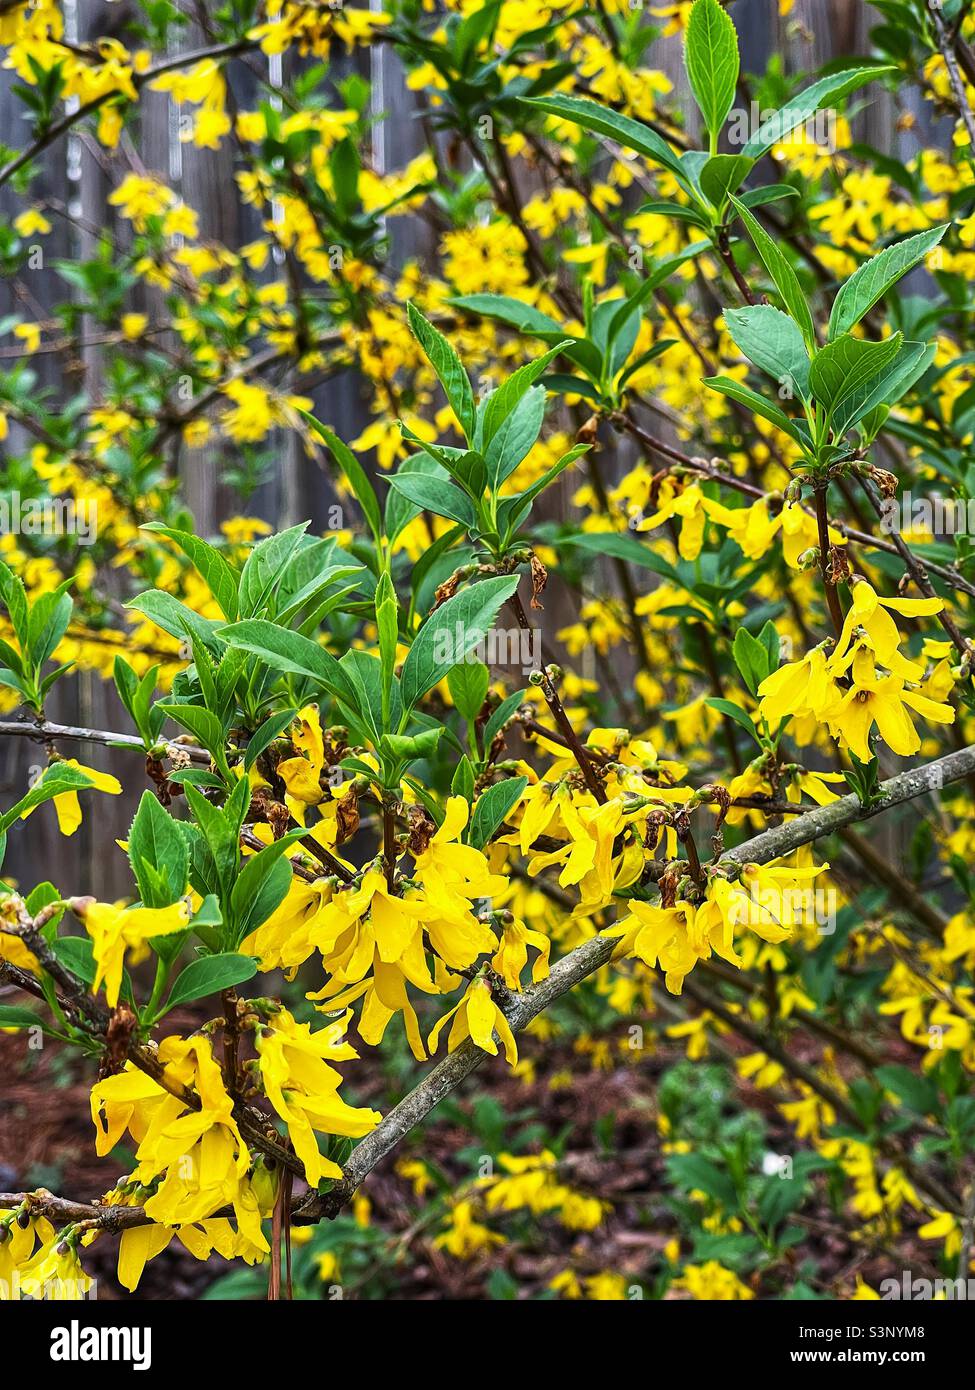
column 46, row 1140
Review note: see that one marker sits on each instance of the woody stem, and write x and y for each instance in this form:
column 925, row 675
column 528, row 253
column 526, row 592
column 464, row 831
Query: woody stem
column 558, row 712
column 389, row 842
column 829, row 585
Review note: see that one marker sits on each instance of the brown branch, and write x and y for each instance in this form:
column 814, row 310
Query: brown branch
column 849, row 533
column 139, row 80
column 825, row 569
column 43, row 731
column 585, row 960
column 918, row 573
column 723, row 245
column 947, row 52
column 554, row 703
column 592, row 955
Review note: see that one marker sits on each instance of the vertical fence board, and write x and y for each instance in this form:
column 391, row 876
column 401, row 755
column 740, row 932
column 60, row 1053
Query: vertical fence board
column 816, row 32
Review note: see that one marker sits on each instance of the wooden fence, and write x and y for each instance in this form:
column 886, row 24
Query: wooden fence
column 76, row 176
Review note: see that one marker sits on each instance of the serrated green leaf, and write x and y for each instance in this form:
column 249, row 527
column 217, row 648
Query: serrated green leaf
column 216, row 573
column 450, row 633
column 871, row 281
column 783, row 276
column 448, row 367
column 828, row 89
column 773, row 341
column 468, row 683
column 711, row 59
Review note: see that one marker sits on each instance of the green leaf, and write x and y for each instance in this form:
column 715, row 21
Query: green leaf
column 871, row 281
column 208, row 914
column 354, row 472
column 773, row 342
column 771, row 193
column 887, row 388
column 257, row 894
column 266, row 734
column 411, row 746
column 477, row 27
column 752, row 659
column 283, row 650
column 172, row 616
column 744, row 395
column 722, row 174
column 265, row 568
column 462, row 782
column 12, row 1016
column 916, row 1092
column 620, row 317
column 734, row 712
column 508, row 310
column 846, row 364
column 136, row 695
column 387, row 624
column 47, row 624
column 516, row 436
column 216, row 573
column 500, row 403
column 14, row 596
column 600, row 120
column 711, row 59
column 769, row 639
column 449, row 368
column 625, row 547
column 56, row 779
column 450, row 633
column 436, row 495
column 156, row 845
column 493, row 806
column 562, row 384
column 827, row 90
column 205, row 727
column 219, row 840
column 209, row 975
column 783, row 276
column 468, row 682
column 513, row 510
column 637, row 364
column 501, row 715
column 345, row 167
column 692, row 1170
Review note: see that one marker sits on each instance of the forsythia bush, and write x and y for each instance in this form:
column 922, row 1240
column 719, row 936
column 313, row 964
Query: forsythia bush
column 739, row 353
